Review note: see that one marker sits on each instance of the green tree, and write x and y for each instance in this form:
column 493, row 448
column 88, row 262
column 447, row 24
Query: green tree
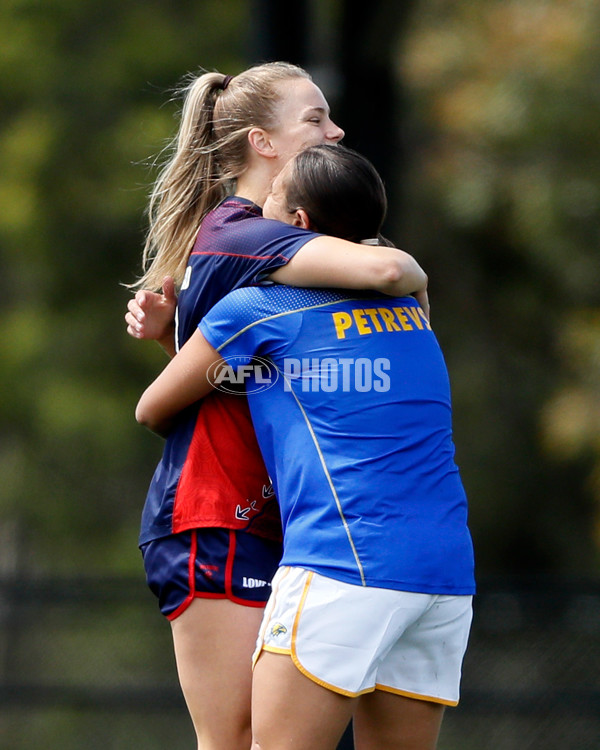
column 502, row 204
column 84, row 89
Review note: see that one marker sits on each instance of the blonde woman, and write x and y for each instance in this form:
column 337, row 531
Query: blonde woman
column 210, row 532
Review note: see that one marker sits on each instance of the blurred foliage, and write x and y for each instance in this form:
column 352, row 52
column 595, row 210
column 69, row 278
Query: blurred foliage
column 85, row 90
column 502, row 205
column 500, row 202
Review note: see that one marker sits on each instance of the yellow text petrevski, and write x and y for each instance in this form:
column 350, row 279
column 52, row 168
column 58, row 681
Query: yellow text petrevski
column 379, row 319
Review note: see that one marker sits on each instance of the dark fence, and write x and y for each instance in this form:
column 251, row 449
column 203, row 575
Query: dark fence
column 89, row 664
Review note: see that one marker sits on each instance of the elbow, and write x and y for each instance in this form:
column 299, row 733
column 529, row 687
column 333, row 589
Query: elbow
column 141, row 417
column 393, row 272
column 147, row 417
column 402, row 275
column 144, row 415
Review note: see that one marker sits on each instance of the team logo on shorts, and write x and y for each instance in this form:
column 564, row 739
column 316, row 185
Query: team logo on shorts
column 278, row 629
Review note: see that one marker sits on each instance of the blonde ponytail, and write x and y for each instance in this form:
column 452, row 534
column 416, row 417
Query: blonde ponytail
column 208, row 154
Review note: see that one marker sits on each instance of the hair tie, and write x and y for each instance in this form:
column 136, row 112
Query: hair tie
column 226, row 82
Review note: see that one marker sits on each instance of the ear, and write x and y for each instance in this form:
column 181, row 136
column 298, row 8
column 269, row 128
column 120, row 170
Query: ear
column 301, row 220
column 260, row 142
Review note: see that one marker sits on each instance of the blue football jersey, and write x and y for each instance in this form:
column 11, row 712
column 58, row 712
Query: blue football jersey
column 353, row 415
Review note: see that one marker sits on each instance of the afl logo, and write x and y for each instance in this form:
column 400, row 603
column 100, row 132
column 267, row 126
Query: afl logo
column 240, row 376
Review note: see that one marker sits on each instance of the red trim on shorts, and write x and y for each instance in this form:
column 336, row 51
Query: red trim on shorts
column 248, row 603
column 193, row 594
column 191, row 580
column 229, row 564
column 229, row 575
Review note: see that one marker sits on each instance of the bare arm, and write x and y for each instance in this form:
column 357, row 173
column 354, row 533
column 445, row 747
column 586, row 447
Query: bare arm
column 183, row 382
column 322, row 262
column 329, row 261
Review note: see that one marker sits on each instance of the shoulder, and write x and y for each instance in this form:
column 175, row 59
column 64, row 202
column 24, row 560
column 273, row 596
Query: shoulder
column 224, row 222
column 249, row 307
column 237, row 220
column 247, row 304
column 277, row 299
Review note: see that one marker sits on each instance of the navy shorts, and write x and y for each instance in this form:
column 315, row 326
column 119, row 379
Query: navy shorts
column 211, row 564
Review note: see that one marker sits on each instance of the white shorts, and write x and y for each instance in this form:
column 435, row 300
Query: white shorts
column 353, row 640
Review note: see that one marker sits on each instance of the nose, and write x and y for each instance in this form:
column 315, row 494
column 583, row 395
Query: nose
column 335, row 133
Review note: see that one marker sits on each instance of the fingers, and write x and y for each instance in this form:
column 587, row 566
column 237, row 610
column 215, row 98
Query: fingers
column 142, row 303
column 134, row 326
column 422, row 298
column 150, row 314
column 135, row 315
column 168, row 289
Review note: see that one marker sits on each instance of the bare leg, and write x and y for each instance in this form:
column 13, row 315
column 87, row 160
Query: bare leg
column 385, row 721
column 291, row 711
column 214, row 641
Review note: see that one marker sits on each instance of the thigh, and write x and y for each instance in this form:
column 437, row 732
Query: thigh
column 213, row 641
column 292, row 711
column 385, row 721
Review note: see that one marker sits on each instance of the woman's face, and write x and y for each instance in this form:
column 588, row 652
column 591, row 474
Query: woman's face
column 303, row 119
